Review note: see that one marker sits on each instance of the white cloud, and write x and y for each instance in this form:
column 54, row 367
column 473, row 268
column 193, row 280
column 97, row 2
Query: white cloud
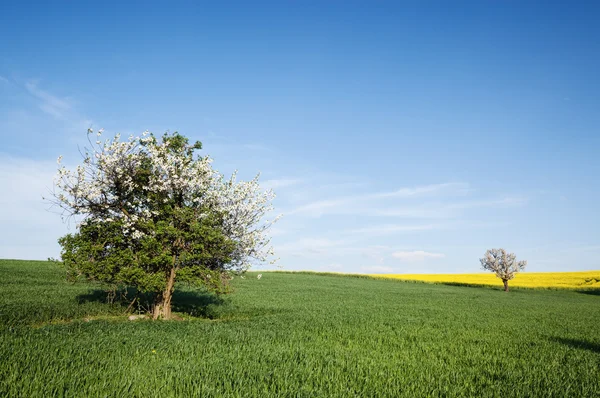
column 417, row 255
column 377, row 269
column 3, row 79
column 33, row 228
column 588, row 248
column 332, row 267
column 375, row 253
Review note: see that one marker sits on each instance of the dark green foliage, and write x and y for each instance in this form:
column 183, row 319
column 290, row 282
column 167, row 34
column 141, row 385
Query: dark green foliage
column 299, row 335
column 144, row 236
column 100, row 252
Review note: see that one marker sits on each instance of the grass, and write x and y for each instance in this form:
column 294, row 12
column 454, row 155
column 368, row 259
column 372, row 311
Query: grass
column 568, row 280
column 298, row 335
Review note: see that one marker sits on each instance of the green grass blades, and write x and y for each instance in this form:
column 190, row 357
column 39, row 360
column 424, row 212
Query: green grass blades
column 298, row 335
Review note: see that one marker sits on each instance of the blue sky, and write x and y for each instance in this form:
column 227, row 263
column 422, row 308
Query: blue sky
column 399, row 136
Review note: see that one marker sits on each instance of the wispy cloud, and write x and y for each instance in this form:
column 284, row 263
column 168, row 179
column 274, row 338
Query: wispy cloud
column 280, row 183
column 304, row 246
column 506, row 201
column 364, row 203
column 438, row 201
column 54, row 106
column 433, row 210
column 61, row 109
column 3, row 79
column 393, row 228
column 320, row 207
column 418, row 255
column 256, row 147
column 318, row 248
column 275, row 231
column 422, row 190
column 447, row 210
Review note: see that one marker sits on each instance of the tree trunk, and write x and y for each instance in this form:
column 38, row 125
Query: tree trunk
column 505, row 281
column 157, row 308
column 162, row 305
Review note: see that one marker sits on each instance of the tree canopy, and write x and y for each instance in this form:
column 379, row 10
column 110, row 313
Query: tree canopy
column 153, row 212
column 503, row 264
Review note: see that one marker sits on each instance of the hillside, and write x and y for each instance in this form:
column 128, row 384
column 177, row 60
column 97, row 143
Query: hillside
column 297, row 335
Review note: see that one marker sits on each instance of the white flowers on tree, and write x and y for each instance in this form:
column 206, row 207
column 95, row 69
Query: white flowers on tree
column 504, row 264
column 152, row 211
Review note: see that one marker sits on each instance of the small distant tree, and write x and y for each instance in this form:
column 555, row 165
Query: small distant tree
column 503, row 264
column 153, row 212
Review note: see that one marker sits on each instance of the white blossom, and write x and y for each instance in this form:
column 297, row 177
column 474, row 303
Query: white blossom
column 89, row 191
column 503, row 264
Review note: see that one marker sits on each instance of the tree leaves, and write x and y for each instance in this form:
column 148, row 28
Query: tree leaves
column 152, row 205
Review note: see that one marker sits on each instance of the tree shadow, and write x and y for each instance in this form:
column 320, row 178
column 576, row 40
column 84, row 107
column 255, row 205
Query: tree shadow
column 119, row 297
column 591, row 292
column 581, row 344
column 195, row 303
column 198, row 303
column 464, row 284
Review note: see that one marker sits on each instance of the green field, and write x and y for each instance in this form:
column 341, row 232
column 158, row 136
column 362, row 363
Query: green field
column 297, row 335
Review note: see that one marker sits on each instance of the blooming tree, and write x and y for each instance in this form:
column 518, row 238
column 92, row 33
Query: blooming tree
column 153, row 212
column 504, row 264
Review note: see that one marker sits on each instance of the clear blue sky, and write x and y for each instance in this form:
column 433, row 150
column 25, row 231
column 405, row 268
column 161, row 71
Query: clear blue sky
column 399, row 136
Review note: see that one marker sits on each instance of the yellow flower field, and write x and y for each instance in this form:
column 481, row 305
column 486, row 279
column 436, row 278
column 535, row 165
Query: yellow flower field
column 568, row 280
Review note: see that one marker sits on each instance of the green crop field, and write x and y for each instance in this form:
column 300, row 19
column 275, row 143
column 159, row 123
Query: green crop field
column 297, row 335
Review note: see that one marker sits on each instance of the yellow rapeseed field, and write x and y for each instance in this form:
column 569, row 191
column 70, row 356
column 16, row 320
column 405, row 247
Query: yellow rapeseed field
column 568, row 280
